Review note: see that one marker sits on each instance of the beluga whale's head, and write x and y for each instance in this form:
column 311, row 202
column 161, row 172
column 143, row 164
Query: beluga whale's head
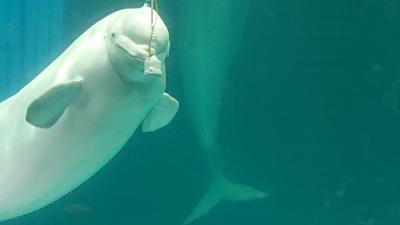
column 138, row 44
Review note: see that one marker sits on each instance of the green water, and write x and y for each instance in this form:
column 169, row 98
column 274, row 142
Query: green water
column 311, row 115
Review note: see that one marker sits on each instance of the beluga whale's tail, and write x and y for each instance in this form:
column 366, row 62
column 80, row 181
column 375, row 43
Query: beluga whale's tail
column 221, row 189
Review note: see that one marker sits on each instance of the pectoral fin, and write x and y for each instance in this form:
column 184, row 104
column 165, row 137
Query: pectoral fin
column 161, row 114
column 45, row 110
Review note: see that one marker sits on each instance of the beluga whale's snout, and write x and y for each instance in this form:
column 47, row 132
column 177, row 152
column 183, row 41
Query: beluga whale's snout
column 138, row 45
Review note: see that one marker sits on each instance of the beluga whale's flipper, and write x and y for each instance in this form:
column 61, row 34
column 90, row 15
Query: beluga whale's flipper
column 161, row 114
column 45, row 110
column 211, row 31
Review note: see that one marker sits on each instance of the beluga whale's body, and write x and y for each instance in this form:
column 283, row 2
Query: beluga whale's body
column 208, row 52
column 68, row 122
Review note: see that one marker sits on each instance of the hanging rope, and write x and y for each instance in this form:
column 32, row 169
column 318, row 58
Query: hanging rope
column 154, row 7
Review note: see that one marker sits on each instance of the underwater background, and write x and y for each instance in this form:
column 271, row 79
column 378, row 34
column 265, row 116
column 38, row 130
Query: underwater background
column 311, row 115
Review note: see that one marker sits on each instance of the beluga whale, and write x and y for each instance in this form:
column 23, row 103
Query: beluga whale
column 69, row 121
column 211, row 31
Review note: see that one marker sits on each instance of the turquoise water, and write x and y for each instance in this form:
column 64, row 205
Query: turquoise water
column 310, row 115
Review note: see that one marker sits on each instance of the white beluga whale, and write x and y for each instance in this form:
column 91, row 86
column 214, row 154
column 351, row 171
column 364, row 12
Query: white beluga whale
column 69, row 121
column 211, row 31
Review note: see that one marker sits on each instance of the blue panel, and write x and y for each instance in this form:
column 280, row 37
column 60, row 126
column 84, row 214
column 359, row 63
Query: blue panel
column 14, row 40
column 30, row 38
column 30, row 11
column 57, row 16
column 3, row 48
column 42, row 32
column 3, row 24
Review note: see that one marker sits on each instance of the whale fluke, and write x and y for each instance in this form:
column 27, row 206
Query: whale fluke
column 221, row 189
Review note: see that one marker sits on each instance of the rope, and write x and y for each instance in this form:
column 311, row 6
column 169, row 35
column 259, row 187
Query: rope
column 154, row 6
